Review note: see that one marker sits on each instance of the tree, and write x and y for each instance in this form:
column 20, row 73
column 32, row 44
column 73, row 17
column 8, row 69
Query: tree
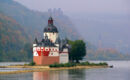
column 77, row 51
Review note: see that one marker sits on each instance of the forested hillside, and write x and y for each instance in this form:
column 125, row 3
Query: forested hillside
column 13, row 39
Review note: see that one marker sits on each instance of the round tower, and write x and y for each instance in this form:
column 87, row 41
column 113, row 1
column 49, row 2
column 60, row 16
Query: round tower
column 51, row 31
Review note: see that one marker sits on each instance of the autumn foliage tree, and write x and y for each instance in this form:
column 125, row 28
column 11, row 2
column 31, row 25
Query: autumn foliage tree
column 77, row 51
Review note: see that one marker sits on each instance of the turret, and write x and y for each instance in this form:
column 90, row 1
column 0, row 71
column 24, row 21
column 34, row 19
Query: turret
column 50, row 21
column 51, row 31
column 35, row 43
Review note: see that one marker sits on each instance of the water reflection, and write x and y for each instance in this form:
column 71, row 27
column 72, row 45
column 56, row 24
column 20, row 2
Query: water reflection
column 50, row 75
column 77, row 74
column 59, row 75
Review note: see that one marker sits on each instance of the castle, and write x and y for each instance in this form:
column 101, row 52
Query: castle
column 51, row 49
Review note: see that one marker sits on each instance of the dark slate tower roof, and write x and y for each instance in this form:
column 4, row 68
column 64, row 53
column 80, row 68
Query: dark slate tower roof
column 50, row 27
column 35, row 41
column 46, row 42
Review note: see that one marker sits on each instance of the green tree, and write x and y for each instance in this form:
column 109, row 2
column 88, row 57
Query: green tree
column 77, row 51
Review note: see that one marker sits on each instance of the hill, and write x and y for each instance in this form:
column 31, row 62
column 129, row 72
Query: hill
column 13, row 38
column 34, row 21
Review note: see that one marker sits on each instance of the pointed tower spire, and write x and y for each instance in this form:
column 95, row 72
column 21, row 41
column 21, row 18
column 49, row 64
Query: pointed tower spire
column 35, row 41
column 50, row 21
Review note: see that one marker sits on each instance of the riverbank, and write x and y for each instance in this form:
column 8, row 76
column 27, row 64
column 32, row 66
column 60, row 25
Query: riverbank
column 44, row 68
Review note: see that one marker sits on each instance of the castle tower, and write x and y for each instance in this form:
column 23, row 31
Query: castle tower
column 50, row 49
column 51, row 31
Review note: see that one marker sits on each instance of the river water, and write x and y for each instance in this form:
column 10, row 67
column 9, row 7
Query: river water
column 121, row 71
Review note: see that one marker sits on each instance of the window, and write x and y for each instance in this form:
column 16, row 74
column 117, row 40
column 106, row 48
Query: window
column 46, row 49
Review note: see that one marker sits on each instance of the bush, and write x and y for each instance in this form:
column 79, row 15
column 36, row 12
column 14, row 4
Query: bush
column 83, row 64
column 77, row 64
column 103, row 63
column 32, row 63
column 91, row 64
column 63, row 65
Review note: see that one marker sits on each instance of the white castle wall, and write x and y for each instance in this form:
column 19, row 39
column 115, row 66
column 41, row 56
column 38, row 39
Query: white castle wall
column 51, row 36
column 34, row 45
column 35, row 52
column 54, row 51
column 64, row 57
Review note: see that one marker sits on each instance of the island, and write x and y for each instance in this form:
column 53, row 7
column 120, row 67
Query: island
column 56, row 66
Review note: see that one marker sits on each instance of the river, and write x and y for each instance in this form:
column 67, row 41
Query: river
column 121, row 71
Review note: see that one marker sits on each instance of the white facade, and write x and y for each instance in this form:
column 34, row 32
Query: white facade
column 54, row 51
column 64, row 57
column 34, row 45
column 52, row 36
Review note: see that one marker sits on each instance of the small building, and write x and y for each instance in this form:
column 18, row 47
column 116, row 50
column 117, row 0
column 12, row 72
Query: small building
column 51, row 49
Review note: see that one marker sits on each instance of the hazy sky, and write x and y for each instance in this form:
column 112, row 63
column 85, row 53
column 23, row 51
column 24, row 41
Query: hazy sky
column 80, row 6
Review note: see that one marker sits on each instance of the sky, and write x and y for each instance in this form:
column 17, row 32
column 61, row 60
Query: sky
column 80, row 6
